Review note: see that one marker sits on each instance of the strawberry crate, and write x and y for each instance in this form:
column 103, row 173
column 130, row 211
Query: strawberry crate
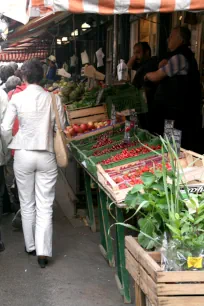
column 193, row 171
column 92, row 161
column 119, row 180
column 117, row 140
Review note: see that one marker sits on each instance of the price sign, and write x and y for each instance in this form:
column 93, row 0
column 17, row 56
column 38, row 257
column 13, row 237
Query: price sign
column 177, row 135
column 134, row 118
column 168, row 128
column 99, row 97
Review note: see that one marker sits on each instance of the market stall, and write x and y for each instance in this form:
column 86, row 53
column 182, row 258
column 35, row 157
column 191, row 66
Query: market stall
column 104, row 138
column 119, row 157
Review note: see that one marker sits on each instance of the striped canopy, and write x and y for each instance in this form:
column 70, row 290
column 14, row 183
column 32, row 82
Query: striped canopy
column 22, row 57
column 110, row 7
column 22, row 10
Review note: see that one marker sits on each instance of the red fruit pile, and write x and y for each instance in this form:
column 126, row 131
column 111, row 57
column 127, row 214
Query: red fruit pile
column 103, row 141
column 129, row 153
column 132, row 177
column 119, row 146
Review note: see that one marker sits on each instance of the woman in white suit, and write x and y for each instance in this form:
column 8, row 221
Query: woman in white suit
column 34, row 161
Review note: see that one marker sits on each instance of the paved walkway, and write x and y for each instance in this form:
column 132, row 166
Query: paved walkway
column 77, row 276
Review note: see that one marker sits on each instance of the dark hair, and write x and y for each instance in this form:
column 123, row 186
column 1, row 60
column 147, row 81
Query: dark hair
column 32, row 71
column 145, row 47
column 185, row 34
column 5, row 72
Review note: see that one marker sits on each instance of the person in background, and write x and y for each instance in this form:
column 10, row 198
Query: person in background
column 11, row 84
column 35, row 164
column 142, row 62
column 3, row 159
column 178, row 96
column 14, row 66
column 10, row 88
column 45, row 68
column 16, row 222
column 52, row 70
column 18, row 74
column 5, row 72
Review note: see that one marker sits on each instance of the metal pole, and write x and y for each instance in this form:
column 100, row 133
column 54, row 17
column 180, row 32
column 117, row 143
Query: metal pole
column 73, row 18
column 115, row 45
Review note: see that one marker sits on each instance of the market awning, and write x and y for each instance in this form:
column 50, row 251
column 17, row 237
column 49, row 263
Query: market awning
column 16, row 9
column 22, row 10
column 110, row 7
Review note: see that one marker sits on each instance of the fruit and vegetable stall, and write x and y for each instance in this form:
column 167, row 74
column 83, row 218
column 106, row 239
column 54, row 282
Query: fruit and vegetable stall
column 139, row 178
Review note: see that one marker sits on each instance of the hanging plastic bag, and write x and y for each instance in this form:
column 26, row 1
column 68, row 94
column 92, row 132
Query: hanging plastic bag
column 84, row 58
column 73, row 61
column 100, row 56
column 122, row 70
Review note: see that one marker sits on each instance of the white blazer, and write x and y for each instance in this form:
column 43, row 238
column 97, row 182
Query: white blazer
column 35, row 113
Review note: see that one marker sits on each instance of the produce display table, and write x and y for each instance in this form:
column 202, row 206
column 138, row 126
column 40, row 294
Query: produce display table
column 108, row 193
column 106, row 243
column 114, row 158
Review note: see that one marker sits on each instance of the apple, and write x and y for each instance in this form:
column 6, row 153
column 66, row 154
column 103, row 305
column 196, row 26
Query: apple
column 77, row 129
column 71, row 131
column 90, row 125
column 68, row 128
column 84, row 127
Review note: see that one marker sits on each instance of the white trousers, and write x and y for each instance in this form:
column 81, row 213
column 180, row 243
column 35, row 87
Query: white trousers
column 36, row 176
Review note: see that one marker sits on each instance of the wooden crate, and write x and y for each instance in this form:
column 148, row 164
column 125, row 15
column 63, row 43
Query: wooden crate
column 159, row 287
column 193, row 168
column 89, row 114
column 93, row 133
column 112, row 188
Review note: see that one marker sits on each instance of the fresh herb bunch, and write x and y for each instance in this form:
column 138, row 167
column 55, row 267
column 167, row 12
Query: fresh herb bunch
column 188, row 226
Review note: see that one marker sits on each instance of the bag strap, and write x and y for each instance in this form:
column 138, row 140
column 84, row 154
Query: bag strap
column 56, row 112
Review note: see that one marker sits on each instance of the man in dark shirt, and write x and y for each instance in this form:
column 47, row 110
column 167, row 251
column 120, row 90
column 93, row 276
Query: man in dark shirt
column 51, row 74
column 143, row 63
column 178, row 96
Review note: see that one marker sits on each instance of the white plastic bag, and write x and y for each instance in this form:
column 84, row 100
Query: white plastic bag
column 84, row 58
column 100, row 56
column 63, row 73
column 73, row 61
column 122, row 70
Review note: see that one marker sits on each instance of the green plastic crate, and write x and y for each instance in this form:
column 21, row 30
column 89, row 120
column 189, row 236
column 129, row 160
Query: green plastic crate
column 127, row 99
column 92, row 161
